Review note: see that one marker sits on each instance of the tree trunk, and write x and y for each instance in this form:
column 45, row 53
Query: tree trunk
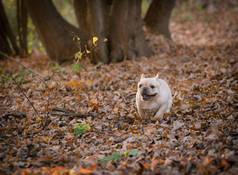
column 137, row 40
column 92, row 16
column 158, row 15
column 127, row 40
column 22, row 26
column 8, row 42
column 56, row 33
column 122, row 26
column 80, row 9
column 97, row 11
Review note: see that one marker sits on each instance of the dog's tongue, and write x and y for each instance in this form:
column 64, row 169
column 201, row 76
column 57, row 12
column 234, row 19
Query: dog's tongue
column 146, row 97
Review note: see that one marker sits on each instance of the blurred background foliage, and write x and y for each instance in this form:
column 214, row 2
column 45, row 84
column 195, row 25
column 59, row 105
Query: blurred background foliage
column 33, row 40
column 65, row 8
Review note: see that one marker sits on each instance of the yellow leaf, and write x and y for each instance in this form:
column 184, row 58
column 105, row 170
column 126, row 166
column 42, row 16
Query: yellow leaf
column 187, row 104
column 90, row 82
column 72, row 172
column 132, row 90
column 78, row 55
column 93, row 102
column 73, row 83
column 95, row 105
column 87, row 51
column 95, row 40
column 105, row 40
column 47, row 138
column 39, row 117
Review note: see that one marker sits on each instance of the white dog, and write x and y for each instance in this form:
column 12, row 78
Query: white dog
column 153, row 98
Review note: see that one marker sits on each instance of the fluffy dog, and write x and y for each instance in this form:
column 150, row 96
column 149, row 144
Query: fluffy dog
column 153, row 98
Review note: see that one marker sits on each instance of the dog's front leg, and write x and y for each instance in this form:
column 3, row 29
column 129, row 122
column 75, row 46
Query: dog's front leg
column 142, row 113
column 160, row 113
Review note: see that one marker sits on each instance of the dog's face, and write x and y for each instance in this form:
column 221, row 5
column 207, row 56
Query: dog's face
column 148, row 88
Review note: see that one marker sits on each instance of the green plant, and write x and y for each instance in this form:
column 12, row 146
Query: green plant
column 117, row 156
column 58, row 68
column 76, row 67
column 187, row 16
column 114, row 157
column 8, row 78
column 81, row 129
column 83, row 54
column 21, row 75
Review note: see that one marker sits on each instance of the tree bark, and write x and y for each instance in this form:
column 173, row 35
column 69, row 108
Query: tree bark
column 80, row 9
column 158, row 15
column 92, row 16
column 97, row 26
column 121, row 26
column 137, row 40
column 118, row 34
column 56, row 33
column 127, row 40
column 8, row 42
column 22, row 26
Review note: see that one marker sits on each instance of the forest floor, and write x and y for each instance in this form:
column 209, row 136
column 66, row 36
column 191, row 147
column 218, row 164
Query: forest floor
column 86, row 122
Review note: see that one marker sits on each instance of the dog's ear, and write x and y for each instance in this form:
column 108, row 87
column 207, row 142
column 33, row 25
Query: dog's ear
column 142, row 76
column 157, row 76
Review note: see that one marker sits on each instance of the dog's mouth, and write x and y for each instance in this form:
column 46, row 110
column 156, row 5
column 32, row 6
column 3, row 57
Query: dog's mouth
column 147, row 97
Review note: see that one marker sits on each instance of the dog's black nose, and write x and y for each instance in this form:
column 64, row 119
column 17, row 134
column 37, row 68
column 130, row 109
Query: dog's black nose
column 144, row 91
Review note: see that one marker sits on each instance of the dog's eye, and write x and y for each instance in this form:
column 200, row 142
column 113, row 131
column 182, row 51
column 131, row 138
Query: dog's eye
column 140, row 86
column 152, row 86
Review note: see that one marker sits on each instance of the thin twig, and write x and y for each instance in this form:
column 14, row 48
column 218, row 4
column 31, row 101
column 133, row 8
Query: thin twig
column 26, row 96
column 15, row 114
column 64, row 112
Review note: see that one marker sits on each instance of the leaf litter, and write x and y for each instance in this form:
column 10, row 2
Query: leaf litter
column 199, row 136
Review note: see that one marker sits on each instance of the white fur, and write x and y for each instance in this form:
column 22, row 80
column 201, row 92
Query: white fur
column 159, row 104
